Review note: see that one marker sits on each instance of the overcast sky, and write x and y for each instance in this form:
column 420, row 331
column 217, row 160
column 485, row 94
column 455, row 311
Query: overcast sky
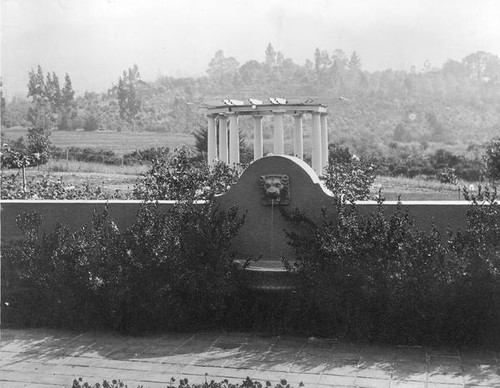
column 95, row 40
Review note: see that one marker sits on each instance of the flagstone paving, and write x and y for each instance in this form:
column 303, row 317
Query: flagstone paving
column 45, row 358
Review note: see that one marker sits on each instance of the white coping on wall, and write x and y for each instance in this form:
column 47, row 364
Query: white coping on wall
column 413, row 203
column 93, row 201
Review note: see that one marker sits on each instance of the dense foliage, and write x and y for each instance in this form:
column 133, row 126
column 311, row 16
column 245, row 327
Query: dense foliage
column 347, row 176
column 445, row 166
column 454, row 102
column 359, row 276
column 173, row 176
column 492, row 159
column 184, row 383
column 169, row 270
column 181, row 175
column 46, row 187
column 377, row 277
column 51, row 105
column 108, row 157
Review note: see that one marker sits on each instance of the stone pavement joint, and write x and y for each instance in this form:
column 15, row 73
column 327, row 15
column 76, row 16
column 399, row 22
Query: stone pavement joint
column 49, row 358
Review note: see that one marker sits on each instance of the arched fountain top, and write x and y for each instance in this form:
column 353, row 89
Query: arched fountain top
column 304, row 182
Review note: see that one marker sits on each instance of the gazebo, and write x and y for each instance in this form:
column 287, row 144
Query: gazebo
column 227, row 150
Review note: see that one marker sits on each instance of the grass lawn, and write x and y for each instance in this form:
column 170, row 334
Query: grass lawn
column 416, row 189
column 118, row 142
column 124, row 177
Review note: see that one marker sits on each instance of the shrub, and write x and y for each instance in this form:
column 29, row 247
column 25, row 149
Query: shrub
column 179, row 176
column 89, row 155
column 447, row 175
column 148, row 155
column 184, row 383
column 45, row 187
column 492, row 159
column 21, row 156
column 91, row 122
column 443, row 159
column 410, row 162
column 348, row 176
column 171, row 270
column 376, row 277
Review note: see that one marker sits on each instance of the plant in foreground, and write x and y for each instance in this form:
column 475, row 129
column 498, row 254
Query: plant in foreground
column 169, row 270
column 184, row 383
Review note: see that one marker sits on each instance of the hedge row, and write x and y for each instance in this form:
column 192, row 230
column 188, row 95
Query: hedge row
column 108, row 157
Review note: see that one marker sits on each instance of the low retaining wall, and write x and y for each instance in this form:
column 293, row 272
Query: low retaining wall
column 72, row 213
column 262, row 234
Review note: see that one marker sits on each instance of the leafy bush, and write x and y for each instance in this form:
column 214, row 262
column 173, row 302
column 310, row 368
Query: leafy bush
column 179, row 176
column 20, row 154
column 447, row 175
column 91, row 122
column 377, row 277
column 89, row 155
column 148, row 155
column 45, row 187
column 184, row 383
column 169, row 270
column 411, row 162
column 492, row 159
column 109, row 157
column 348, row 176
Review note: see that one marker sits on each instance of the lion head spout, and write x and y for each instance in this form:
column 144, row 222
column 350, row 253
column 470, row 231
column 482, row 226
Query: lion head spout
column 275, row 189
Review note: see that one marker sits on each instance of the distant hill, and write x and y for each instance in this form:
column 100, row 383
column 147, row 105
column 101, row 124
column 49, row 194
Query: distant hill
column 456, row 105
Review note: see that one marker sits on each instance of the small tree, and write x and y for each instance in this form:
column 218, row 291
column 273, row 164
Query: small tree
column 45, row 100
column 128, row 100
column 40, row 113
column 21, row 156
column 2, row 103
column 67, row 105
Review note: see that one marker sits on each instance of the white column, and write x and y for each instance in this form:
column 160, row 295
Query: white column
column 324, row 141
column 298, row 138
column 279, row 135
column 316, row 143
column 234, row 139
column 223, row 154
column 258, row 140
column 211, row 141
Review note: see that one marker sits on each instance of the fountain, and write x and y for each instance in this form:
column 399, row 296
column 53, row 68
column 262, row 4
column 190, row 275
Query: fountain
column 266, row 187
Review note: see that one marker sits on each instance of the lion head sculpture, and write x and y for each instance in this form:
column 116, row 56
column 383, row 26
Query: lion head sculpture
column 275, row 189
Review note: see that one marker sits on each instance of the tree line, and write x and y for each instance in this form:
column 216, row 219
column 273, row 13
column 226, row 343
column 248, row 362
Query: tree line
column 453, row 105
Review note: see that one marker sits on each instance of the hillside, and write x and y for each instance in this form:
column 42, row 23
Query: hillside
column 456, row 106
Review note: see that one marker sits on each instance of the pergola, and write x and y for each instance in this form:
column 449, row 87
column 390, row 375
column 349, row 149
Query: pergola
column 227, row 150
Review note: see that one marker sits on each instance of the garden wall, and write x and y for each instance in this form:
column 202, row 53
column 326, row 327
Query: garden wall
column 72, row 213
column 263, row 233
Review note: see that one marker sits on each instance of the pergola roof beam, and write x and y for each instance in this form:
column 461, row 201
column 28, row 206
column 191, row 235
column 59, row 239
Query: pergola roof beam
column 267, row 109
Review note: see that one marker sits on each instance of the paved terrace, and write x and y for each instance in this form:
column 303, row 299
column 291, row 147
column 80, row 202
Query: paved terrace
column 43, row 358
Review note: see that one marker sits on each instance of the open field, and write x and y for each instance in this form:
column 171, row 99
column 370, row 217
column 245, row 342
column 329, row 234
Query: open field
column 417, row 189
column 123, row 177
column 118, row 142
